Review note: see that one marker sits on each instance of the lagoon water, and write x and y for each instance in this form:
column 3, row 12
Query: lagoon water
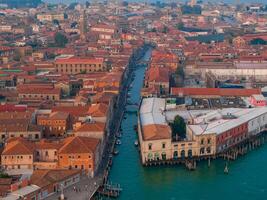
column 247, row 178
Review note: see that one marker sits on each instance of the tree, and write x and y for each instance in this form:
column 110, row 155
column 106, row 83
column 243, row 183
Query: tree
column 56, row 22
column 4, row 175
column 178, row 127
column 165, row 29
column 60, row 40
column 180, row 25
column 180, row 71
column 258, row 41
column 125, row 3
column 87, row 4
column 154, row 30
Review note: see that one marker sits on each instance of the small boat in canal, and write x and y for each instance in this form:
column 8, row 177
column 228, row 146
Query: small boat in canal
column 116, row 152
column 108, row 193
column 118, row 142
column 136, row 143
column 226, row 170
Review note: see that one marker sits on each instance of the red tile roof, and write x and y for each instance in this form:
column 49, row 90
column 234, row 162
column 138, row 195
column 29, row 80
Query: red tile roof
column 214, row 92
column 92, row 127
column 79, row 144
column 79, row 60
column 18, row 146
column 98, row 110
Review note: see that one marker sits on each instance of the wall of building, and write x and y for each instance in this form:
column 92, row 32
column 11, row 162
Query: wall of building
column 17, row 161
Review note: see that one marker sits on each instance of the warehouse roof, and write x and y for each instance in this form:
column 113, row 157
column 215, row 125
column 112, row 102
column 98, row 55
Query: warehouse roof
column 152, row 111
column 220, row 121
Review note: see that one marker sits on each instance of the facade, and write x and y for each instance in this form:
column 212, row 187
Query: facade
column 39, row 94
column 75, row 152
column 56, row 124
column 257, row 100
column 79, row 65
column 18, row 154
column 50, row 17
column 80, row 153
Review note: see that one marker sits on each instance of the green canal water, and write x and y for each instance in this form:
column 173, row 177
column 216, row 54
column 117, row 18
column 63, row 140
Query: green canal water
column 247, row 178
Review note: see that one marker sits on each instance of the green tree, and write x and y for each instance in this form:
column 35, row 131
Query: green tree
column 258, row 41
column 178, row 127
column 154, row 30
column 165, row 29
column 56, row 22
column 60, row 40
column 87, row 4
column 180, row 25
column 4, row 175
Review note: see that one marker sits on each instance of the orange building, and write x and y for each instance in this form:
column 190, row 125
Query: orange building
column 79, row 65
column 18, row 154
column 80, row 153
column 55, row 124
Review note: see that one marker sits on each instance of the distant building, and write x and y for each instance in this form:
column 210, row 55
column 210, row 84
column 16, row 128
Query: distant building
column 50, row 17
column 79, row 65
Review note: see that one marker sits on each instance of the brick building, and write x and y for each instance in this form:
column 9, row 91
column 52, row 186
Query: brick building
column 79, row 65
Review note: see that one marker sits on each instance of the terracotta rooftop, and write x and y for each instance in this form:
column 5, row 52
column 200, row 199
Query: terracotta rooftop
column 92, row 127
column 214, row 92
column 18, row 146
column 44, row 178
column 78, row 144
column 73, row 110
column 98, row 110
column 156, row 132
column 79, row 60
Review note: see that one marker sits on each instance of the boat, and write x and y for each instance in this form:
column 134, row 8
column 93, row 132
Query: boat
column 108, row 193
column 118, row 142
column 116, row 152
column 136, row 143
column 226, row 170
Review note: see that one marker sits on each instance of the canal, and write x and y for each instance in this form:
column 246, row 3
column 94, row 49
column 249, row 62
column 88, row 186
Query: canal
column 246, row 180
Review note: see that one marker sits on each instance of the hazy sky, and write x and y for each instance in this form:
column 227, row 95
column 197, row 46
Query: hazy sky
column 227, row 1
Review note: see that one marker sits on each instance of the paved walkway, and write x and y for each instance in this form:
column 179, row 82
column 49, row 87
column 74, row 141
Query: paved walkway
column 84, row 188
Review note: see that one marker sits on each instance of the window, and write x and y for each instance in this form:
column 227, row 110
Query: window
column 150, row 146
column 208, row 150
column 202, row 150
column 202, row 141
column 163, row 145
column 46, row 153
column 209, row 140
column 90, row 166
column 89, row 156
